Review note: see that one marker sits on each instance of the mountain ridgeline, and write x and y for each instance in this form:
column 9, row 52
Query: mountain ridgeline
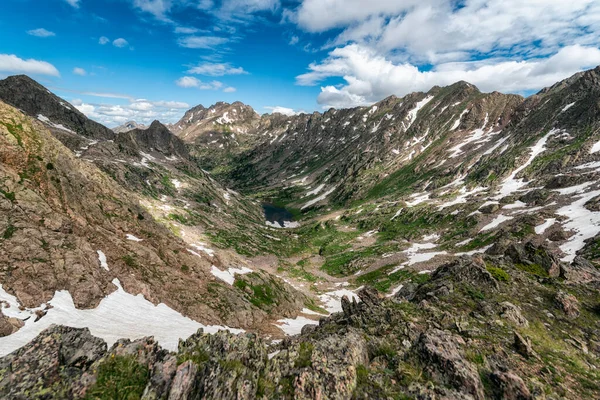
column 442, row 245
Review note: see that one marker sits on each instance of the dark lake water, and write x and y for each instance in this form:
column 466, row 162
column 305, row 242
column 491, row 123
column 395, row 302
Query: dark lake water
column 277, row 214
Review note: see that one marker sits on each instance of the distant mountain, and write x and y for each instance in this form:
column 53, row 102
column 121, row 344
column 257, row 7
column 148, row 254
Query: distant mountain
column 440, row 245
column 128, row 126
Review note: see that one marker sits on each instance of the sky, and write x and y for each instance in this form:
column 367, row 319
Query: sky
column 121, row 60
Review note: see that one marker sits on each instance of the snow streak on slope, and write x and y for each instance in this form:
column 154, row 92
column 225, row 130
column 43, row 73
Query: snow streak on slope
column 412, row 114
column 510, row 184
column 584, row 222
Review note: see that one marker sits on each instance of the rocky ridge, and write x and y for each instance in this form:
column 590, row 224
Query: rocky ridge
column 494, row 343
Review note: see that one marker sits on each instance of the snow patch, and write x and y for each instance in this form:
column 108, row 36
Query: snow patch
column 497, row 221
column 511, row 185
column 229, row 275
column 540, row 229
column 119, row 315
column 102, row 259
column 584, row 222
column 133, row 238
column 412, row 114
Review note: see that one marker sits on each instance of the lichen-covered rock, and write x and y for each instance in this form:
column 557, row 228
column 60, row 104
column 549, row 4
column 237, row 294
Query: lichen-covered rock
column 513, row 314
column 440, row 351
column 50, row 365
column 510, row 386
column 568, row 304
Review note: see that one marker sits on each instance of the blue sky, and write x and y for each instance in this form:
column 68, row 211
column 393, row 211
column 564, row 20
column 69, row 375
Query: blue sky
column 144, row 59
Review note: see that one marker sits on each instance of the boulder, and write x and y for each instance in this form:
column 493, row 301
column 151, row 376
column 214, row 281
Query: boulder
column 509, row 386
column 440, row 351
column 567, row 303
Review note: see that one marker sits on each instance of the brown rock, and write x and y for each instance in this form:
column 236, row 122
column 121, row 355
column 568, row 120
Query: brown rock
column 510, row 386
column 568, row 303
column 523, row 346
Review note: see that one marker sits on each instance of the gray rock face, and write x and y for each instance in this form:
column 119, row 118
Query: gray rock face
column 26, row 94
column 58, row 355
column 156, row 137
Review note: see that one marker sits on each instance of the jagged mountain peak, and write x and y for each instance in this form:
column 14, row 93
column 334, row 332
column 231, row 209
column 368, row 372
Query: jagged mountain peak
column 68, row 123
column 127, row 126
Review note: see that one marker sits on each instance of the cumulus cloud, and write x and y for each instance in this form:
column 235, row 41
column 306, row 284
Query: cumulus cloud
column 202, row 42
column 191, row 82
column 74, row 3
column 158, row 8
column 216, row 69
column 139, row 110
column 229, row 89
column 282, row 110
column 12, row 64
column 79, row 71
column 41, row 32
column 103, row 40
column 426, row 30
column 370, row 77
column 120, row 43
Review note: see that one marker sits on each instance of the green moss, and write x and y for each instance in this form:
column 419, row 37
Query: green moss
column 129, row 260
column 382, row 280
column 498, row 273
column 262, row 296
column 534, row 269
column 16, row 131
column 9, row 232
column 197, row 355
column 119, row 377
column 304, row 359
column 9, row 195
column 185, row 268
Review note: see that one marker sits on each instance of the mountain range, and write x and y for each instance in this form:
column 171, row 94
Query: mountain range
column 442, row 245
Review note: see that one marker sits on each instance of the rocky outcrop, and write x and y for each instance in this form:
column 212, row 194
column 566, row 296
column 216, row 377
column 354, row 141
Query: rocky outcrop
column 510, row 386
column 440, row 351
column 568, row 304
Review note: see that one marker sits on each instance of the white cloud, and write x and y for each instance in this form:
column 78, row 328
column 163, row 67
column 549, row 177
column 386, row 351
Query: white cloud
column 191, row 82
column 172, row 104
column 139, row 110
column 158, row 8
column 103, row 40
column 282, row 110
column 239, row 7
column 426, row 30
column 294, row 40
column 41, row 32
column 79, row 71
column 13, row 64
column 229, row 89
column 370, row 77
column 186, row 30
column 216, row 69
column 120, row 43
column 202, row 42
column 74, row 3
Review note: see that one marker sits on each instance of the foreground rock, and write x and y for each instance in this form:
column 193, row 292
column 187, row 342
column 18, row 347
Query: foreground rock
column 462, row 335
